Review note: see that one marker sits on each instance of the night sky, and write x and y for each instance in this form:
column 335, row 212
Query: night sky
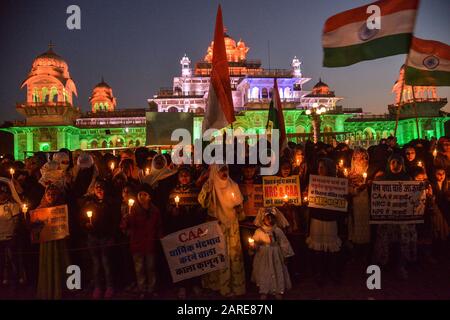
column 137, row 45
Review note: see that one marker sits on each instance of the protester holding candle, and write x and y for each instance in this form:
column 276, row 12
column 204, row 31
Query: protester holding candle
column 184, row 214
column 358, row 222
column 216, row 197
column 388, row 234
column 10, row 214
column 323, row 237
column 441, row 221
column 53, row 255
column 272, row 248
column 102, row 228
column 145, row 229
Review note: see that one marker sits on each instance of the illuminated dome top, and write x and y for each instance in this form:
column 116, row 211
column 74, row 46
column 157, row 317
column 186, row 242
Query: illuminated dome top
column 235, row 52
column 102, row 98
column 49, row 80
column 321, row 89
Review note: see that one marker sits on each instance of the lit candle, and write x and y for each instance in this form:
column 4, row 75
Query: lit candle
column 177, row 200
column 305, row 199
column 435, row 153
column 89, row 215
column 130, row 205
column 419, row 164
column 232, row 195
column 341, row 163
column 251, row 242
column 286, row 198
column 365, row 176
column 24, row 208
column 147, row 171
column 298, row 162
column 11, row 172
column 345, row 172
column 112, row 166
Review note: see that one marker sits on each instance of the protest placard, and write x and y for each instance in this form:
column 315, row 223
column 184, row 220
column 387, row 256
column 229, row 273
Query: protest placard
column 49, row 224
column 394, row 202
column 328, row 193
column 195, row 251
column 278, row 191
column 253, row 198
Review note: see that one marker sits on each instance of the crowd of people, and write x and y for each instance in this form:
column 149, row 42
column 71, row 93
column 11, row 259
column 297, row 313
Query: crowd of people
column 120, row 206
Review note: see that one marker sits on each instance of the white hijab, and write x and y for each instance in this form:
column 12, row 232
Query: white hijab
column 158, row 174
column 225, row 194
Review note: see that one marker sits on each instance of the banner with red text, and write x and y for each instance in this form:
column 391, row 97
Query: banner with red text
column 328, row 193
column 195, row 251
column 279, row 191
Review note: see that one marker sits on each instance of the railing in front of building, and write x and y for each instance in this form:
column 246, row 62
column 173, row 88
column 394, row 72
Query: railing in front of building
column 44, row 104
column 92, row 122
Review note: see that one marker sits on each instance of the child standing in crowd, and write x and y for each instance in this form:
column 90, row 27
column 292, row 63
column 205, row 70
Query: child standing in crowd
column 101, row 227
column 144, row 226
column 184, row 211
column 272, row 248
column 10, row 212
column 53, row 255
column 388, row 234
column 323, row 237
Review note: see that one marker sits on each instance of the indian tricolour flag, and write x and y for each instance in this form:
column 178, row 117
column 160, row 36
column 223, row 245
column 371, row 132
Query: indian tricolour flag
column 275, row 118
column 428, row 63
column 219, row 109
column 347, row 38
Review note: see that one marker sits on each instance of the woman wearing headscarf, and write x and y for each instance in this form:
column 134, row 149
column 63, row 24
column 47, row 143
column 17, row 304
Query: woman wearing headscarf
column 404, row 234
column 223, row 199
column 53, row 256
column 358, row 223
column 10, row 214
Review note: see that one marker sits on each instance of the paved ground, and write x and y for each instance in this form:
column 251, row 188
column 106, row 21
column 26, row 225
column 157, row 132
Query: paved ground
column 427, row 281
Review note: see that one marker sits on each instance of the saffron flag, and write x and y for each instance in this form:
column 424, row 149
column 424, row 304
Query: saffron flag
column 347, row 38
column 275, row 119
column 219, row 109
column 428, row 63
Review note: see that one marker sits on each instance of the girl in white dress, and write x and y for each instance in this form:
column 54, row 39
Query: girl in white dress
column 271, row 248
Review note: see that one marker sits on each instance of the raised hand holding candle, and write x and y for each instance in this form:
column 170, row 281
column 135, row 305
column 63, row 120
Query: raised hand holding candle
column 24, row 208
column 130, row 205
column 11, row 172
column 251, row 242
column 89, row 215
column 177, row 200
column 435, row 153
column 419, row 164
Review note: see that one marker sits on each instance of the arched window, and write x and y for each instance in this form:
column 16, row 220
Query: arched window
column 45, row 97
column 54, row 95
column 94, row 144
column 138, row 143
column 255, row 93
column 106, row 106
column 264, row 93
column 131, row 143
column 35, row 95
column 96, row 106
column 199, row 110
column 111, row 144
column 104, row 144
column 172, row 109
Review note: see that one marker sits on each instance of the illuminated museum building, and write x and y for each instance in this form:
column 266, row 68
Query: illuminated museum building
column 54, row 122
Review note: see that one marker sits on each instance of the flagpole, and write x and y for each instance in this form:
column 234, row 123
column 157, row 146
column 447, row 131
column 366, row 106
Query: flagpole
column 415, row 111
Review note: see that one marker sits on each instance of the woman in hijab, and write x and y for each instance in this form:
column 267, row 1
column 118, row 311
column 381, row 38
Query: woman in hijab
column 359, row 228
column 53, row 257
column 387, row 234
column 223, row 199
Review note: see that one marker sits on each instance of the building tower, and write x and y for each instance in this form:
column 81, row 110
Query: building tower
column 186, row 70
column 296, row 67
column 49, row 91
column 102, row 98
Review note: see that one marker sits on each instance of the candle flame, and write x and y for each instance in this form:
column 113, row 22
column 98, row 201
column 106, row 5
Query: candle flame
column 89, row 214
column 130, row 202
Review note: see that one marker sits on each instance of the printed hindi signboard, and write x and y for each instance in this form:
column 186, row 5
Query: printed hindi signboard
column 49, row 224
column 278, row 191
column 195, row 251
column 253, row 198
column 328, row 193
column 395, row 202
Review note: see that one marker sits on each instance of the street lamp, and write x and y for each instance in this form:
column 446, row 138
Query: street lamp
column 315, row 113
